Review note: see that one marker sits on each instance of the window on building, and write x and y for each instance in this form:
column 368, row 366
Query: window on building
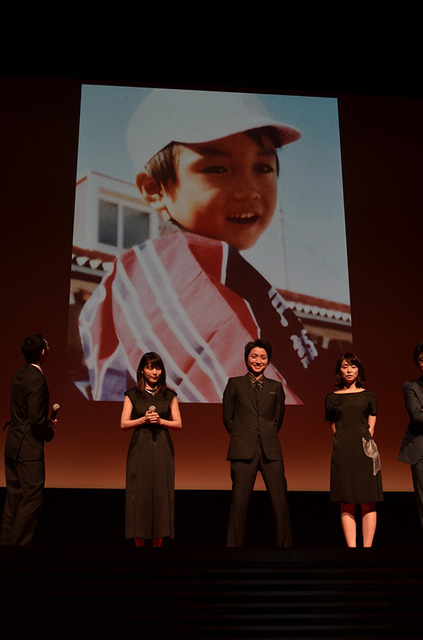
column 136, row 227
column 108, row 222
column 120, row 226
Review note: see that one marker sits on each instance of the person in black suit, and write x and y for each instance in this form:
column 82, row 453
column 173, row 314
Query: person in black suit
column 253, row 410
column 411, row 450
column 29, row 428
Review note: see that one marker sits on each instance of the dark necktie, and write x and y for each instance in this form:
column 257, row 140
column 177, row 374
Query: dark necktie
column 257, row 386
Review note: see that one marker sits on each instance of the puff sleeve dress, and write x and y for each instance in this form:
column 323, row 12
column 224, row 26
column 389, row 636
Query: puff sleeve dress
column 150, row 472
column 352, row 476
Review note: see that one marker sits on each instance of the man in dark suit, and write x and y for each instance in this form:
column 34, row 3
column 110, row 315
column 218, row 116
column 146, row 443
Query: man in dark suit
column 253, row 410
column 411, row 450
column 29, row 428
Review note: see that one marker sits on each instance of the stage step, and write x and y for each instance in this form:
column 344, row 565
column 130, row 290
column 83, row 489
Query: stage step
column 124, row 592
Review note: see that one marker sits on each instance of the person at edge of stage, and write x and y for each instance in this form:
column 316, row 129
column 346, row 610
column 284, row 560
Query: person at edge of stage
column 253, row 411
column 355, row 467
column 411, row 450
column 151, row 409
column 28, row 429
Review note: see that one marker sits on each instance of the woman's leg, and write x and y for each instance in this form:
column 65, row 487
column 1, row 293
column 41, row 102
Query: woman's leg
column 368, row 524
column 349, row 526
column 139, row 542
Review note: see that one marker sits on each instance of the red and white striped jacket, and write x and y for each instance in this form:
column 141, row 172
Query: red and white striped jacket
column 196, row 302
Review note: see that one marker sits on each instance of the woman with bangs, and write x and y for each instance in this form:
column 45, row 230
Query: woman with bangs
column 355, row 467
column 151, row 409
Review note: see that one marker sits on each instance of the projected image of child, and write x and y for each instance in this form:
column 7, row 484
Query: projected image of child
column 209, row 168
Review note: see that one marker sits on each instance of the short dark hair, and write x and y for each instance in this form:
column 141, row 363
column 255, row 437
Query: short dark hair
column 32, row 347
column 351, row 358
column 263, row 344
column 152, row 358
column 418, row 349
column 163, row 166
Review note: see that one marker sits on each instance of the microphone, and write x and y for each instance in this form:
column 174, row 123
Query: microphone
column 56, row 408
column 153, row 430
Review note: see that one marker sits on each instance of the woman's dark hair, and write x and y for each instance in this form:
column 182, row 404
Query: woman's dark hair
column 163, row 166
column 32, row 348
column 263, row 344
column 418, row 349
column 153, row 359
column 351, row 358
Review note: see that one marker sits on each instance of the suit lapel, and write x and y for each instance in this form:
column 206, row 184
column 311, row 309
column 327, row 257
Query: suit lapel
column 418, row 390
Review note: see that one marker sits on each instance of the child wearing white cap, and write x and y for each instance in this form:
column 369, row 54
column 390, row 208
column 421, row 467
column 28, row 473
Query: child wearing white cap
column 208, row 166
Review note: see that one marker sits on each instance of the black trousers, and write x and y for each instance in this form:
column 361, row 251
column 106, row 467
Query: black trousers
column 24, row 498
column 243, row 474
column 417, row 475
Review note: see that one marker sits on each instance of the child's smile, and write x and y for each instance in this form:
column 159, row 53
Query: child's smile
column 244, row 218
column 227, row 189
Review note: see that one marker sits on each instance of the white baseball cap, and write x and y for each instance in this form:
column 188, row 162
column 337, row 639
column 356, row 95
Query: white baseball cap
column 189, row 117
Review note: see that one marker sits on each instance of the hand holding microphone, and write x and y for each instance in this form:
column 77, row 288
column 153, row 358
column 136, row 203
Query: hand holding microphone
column 152, row 415
column 53, row 416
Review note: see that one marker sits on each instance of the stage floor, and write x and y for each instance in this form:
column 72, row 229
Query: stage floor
column 121, row 592
column 81, row 579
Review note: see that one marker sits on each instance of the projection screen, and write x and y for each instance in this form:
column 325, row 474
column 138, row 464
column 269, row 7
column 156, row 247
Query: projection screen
column 197, row 292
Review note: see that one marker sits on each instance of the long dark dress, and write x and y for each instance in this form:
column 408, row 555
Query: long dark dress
column 352, row 478
column 150, row 472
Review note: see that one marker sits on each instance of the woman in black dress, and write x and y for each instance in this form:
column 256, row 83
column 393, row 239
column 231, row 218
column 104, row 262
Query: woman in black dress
column 151, row 408
column 355, row 468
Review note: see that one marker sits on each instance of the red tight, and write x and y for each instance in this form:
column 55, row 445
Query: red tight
column 140, row 542
column 366, row 507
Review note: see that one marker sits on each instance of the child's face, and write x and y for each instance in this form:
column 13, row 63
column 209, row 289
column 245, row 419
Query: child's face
column 227, row 189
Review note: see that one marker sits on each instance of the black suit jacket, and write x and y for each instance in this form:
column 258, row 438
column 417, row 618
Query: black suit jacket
column 411, row 450
column 29, row 404
column 245, row 419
